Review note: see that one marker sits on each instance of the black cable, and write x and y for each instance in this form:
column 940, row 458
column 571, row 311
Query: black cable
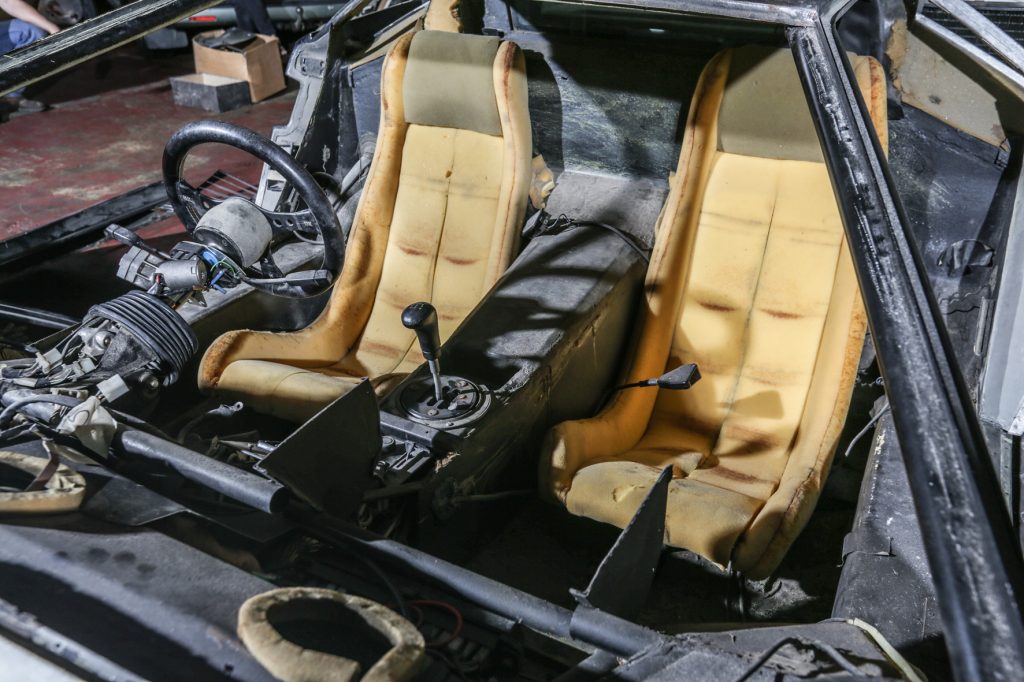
column 828, row 649
column 542, row 223
column 639, row 384
column 448, row 662
column 388, row 584
column 8, row 412
column 137, row 423
column 491, row 497
column 629, row 239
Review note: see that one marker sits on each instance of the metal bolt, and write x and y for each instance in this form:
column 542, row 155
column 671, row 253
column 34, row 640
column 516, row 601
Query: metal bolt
column 432, row 412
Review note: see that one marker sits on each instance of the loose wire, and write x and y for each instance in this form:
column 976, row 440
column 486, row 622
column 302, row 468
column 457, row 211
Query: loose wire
column 827, row 649
column 456, row 630
column 863, row 431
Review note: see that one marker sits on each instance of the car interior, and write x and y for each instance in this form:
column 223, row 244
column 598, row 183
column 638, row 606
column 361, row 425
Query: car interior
column 588, row 258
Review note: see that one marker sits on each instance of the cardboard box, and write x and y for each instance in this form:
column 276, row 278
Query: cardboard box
column 259, row 63
column 213, row 93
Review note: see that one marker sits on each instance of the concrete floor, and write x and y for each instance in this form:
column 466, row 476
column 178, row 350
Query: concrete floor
column 105, row 135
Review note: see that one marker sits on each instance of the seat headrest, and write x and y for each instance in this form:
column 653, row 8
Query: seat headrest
column 449, row 82
column 443, row 15
column 764, row 110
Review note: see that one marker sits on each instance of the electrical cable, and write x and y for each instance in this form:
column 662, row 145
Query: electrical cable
column 456, row 630
column 136, row 422
column 388, row 584
column 542, row 223
column 436, row 653
column 629, row 239
column 8, row 412
column 863, row 431
column 492, row 497
column 827, row 649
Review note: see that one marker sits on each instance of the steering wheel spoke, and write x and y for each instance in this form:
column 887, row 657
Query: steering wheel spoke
column 193, row 201
column 297, row 221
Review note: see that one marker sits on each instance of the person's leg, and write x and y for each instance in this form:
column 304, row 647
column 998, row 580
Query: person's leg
column 15, row 34
column 251, row 15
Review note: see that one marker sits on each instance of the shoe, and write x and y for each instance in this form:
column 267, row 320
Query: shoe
column 20, row 105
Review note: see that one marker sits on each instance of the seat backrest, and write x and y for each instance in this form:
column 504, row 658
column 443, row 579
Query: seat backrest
column 441, row 212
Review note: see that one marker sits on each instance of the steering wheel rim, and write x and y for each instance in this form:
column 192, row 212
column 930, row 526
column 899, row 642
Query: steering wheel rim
column 324, row 218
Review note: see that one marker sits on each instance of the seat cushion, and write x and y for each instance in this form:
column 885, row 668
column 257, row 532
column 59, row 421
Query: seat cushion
column 703, row 518
column 281, row 390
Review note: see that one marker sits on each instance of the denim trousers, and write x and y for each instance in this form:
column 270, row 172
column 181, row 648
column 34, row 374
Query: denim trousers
column 17, row 33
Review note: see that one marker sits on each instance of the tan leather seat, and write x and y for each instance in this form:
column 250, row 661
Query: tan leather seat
column 751, row 278
column 438, row 221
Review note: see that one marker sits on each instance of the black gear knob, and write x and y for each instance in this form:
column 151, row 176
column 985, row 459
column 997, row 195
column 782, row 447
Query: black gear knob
column 422, row 318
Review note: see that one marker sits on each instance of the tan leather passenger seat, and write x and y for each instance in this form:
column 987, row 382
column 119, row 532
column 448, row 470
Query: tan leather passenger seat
column 438, row 221
column 751, row 278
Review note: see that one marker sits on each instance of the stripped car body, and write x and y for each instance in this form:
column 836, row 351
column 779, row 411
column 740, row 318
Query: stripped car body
column 908, row 129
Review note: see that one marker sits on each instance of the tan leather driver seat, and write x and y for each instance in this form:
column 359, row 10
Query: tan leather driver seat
column 751, row 278
column 438, row 221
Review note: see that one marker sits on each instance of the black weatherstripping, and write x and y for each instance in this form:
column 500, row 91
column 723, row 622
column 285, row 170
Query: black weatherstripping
column 970, row 546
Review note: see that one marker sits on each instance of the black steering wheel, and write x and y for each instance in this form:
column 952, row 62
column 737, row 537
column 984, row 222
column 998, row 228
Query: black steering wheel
column 317, row 218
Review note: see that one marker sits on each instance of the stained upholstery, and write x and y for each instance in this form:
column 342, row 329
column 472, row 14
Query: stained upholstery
column 445, row 86
column 438, row 221
column 751, row 278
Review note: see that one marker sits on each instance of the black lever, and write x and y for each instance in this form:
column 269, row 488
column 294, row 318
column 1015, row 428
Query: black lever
column 131, row 238
column 422, row 318
column 678, row 379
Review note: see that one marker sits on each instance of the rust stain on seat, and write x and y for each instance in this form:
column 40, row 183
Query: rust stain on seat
column 781, row 314
column 717, row 307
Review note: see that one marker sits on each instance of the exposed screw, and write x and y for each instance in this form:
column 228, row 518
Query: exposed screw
column 432, row 412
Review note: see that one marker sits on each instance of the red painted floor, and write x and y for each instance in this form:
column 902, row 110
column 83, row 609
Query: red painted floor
column 59, row 162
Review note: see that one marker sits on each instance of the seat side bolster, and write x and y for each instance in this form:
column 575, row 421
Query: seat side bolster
column 332, row 334
column 617, row 428
column 513, row 112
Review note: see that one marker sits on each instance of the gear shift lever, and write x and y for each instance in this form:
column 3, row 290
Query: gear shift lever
column 422, row 318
